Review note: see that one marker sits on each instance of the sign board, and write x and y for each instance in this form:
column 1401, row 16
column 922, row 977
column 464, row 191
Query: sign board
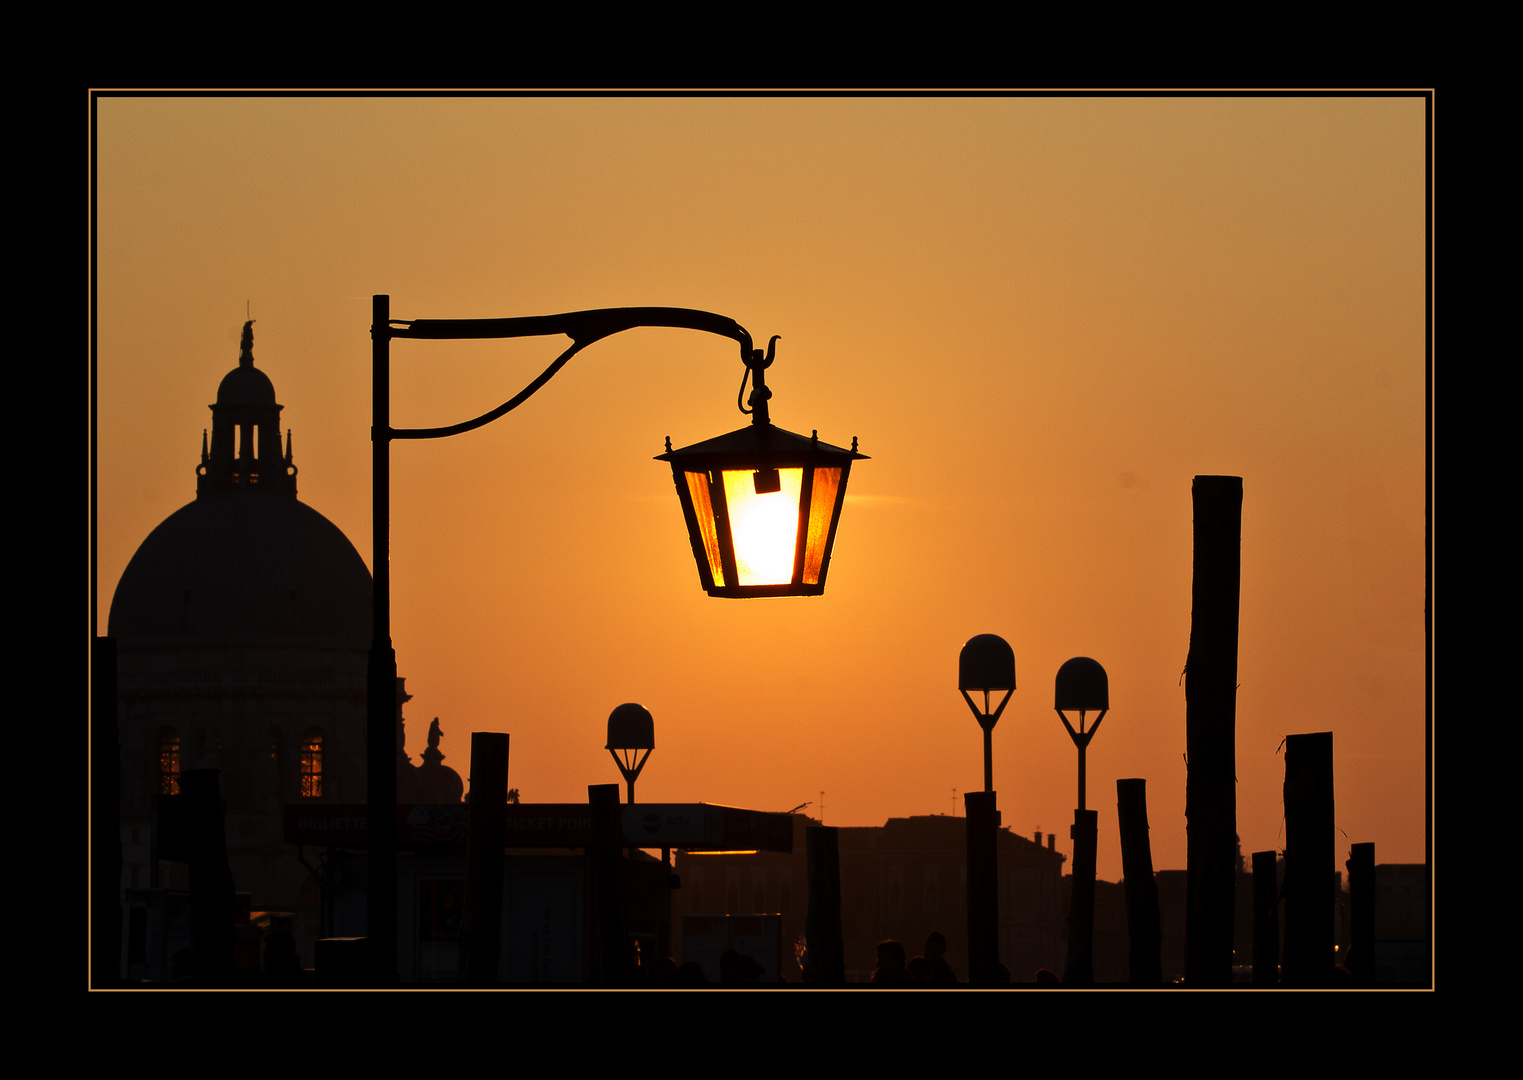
column 706, row 826
column 347, row 826
column 694, row 826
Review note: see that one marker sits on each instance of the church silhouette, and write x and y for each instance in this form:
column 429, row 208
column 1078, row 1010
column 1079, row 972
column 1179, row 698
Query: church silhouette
column 242, row 626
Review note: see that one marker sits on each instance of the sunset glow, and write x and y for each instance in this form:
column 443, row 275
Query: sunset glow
column 1041, row 316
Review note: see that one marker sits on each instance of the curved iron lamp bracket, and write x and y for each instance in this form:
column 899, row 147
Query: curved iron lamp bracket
column 583, row 328
column 760, row 395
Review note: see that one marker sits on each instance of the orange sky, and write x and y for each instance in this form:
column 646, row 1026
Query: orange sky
column 1042, row 317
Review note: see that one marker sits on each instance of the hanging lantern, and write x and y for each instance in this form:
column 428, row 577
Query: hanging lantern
column 762, row 505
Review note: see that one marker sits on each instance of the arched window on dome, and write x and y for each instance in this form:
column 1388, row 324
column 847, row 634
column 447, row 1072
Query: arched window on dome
column 169, row 762
column 312, row 765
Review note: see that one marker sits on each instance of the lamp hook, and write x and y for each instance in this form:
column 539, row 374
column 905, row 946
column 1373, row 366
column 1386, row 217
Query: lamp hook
column 760, row 394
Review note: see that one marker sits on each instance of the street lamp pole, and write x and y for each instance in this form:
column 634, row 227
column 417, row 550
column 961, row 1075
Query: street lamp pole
column 718, row 482
column 1082, row 685
column 986, row 665
column 381, row 676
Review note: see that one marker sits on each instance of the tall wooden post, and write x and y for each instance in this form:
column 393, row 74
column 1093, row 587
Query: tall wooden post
column 1143, row 923
column 480, row 948
column 1310, row 859
column 822, row 926
column 1210, row 739
column 1361, row 890
column 608, row 885
column 1266, row 919
column 983, row 888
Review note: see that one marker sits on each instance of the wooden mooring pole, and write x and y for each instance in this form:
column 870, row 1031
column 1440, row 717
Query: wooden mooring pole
column 611, row 920
column 822, row 926
column 1079, row 965
column 1143, row 924
column 1310, row 859
column 983, row 888
column 1210, row 736
column 1266, row 919
column 1361, row 895
column 212, row 898
column 480, row 948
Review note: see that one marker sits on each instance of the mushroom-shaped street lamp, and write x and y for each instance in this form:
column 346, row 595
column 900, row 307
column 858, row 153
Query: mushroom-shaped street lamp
column 1082, row 686
column 630, row 731
column 986, row 664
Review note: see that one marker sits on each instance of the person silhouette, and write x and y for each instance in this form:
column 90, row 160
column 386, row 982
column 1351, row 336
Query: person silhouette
column 936, row 958
column 890, row 970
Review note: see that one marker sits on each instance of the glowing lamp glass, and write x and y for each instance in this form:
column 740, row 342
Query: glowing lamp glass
column 762, row 507
column 765, row 526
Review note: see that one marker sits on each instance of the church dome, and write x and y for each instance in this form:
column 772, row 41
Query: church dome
column 242, row 629
column 245, row 562
column 254, row 566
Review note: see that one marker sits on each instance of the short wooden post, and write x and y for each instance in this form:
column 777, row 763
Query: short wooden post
column 1361, row 889
column 480, row 948
column 822, row 926
column 212, row 897
column 1143, row 923
column 1309, row 859
column 1079, row 967
column 608, row 885
column 1266, row 919
column 983, row 888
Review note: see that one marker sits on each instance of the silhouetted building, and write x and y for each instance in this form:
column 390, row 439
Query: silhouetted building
column 1111, row 945
column 899, row 881
column 243, row 624
column 1403, row 925
column 1173, row 905
column 548, row 917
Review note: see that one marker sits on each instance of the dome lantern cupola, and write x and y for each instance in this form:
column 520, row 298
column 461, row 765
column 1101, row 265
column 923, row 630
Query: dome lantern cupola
column 245, row 452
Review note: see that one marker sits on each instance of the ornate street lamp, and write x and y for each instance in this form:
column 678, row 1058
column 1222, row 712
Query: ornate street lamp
column 761, row 505
column 631, row 729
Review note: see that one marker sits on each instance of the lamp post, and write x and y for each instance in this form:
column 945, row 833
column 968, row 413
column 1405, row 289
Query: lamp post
column 631, row 729
column 793, row 487
column 1082, row 685
column 986, row 665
